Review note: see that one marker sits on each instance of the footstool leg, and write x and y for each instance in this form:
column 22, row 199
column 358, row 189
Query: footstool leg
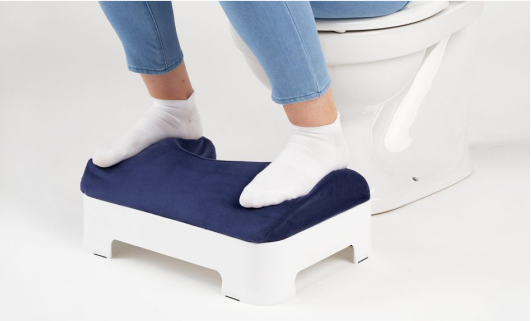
column 361, row 252
column 260, row 287
column 98, row 226
column 100, row 246
column 361, row 238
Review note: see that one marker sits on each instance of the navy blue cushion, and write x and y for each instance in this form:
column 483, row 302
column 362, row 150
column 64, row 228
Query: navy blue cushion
column 181, row 180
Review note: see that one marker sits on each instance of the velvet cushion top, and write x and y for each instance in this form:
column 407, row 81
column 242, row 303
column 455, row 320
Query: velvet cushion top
column 181, row 180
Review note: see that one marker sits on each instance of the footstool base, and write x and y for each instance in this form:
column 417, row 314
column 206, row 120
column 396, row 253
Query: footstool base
column 254, row 273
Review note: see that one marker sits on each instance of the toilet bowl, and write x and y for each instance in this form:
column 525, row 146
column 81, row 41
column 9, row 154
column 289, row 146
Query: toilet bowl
column 402, row 85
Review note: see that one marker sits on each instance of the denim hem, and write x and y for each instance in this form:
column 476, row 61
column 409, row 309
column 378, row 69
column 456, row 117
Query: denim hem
column 156, row 71
column 292, row 100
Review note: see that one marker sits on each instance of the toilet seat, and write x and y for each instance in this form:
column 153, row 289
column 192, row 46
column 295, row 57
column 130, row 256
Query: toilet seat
column 413, row 12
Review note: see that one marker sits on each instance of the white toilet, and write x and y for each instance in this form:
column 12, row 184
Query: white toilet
column 402, row 85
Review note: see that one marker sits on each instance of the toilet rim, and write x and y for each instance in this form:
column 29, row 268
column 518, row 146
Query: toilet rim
column 415, row 11
column 377, row 45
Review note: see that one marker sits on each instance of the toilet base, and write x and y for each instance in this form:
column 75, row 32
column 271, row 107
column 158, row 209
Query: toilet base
column 418, row 190
column 415, row 143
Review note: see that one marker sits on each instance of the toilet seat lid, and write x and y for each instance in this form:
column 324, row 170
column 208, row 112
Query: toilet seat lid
column 415, row 11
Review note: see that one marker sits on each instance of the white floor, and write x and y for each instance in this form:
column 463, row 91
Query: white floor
column 460, row 254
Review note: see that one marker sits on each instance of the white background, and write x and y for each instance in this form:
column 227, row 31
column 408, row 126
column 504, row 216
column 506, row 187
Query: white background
column 461, row 254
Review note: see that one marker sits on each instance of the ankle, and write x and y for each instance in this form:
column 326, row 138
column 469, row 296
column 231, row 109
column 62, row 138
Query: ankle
column 312, row 113
column 188, row 103
column 174, row 85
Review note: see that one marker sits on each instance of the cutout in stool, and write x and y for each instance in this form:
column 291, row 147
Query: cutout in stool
column 175, row 198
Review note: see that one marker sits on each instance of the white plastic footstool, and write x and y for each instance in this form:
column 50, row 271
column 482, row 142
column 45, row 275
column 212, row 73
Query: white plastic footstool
column 175, row 198
column 254, row 273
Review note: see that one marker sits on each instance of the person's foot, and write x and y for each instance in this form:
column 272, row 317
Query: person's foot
column 166, row 118
column 310, row 154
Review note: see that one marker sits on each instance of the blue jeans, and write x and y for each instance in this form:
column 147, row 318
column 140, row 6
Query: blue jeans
column 282, row 35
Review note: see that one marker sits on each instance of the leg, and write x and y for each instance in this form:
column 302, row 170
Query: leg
column 174, row 85
column 97, row 238
column 361, row 235
column 259, row 287
column 283, row 37
column 147, row 32
column 98, row 245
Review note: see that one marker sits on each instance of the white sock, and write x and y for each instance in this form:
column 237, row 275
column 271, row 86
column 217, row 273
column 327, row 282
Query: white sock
column 166, row 118
column 310, row 154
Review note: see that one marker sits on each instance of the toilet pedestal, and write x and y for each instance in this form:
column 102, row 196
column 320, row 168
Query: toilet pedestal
column 410, row 147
